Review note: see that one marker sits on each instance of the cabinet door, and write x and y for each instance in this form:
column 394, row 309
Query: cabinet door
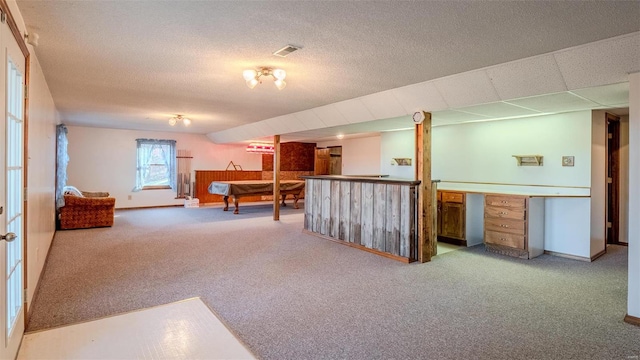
column 453, row 218
column 439, row 220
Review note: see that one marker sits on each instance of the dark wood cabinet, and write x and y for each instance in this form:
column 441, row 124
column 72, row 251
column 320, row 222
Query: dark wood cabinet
column 451, row 217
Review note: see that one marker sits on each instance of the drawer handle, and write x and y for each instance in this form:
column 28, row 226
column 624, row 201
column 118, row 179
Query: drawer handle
column 503, row 213
column 503, row 239
column 505, row 226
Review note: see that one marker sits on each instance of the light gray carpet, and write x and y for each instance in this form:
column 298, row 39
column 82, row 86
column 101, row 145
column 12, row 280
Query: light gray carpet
column 289, row 295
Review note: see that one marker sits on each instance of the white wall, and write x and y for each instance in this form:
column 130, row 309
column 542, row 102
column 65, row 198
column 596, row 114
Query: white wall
column 40, row 163
column 633, row 297
column 360, row 156
column 105, row 160
column 624, row 180
column 482, row 152
column 41, row 167
column 397, row 144
column 598, row 182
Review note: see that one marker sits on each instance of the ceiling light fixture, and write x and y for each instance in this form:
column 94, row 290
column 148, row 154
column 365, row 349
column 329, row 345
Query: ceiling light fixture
column 252, row 77
column 260, row 148
column 174, row 120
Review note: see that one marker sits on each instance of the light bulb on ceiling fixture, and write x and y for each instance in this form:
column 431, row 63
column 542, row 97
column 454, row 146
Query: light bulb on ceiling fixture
column 174, row 120
column 252, row 77
column 280, row 84
column 249, row 74
column 279, row 74
column 340, row 136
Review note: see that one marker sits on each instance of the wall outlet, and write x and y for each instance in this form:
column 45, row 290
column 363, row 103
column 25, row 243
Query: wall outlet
column 129, row 197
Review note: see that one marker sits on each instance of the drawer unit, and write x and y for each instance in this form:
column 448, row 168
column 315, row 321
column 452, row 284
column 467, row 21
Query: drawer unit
column 514, row 225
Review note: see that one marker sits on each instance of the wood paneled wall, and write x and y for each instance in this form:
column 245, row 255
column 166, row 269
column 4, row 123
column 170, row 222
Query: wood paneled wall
column 205, row 177
column 376, row 216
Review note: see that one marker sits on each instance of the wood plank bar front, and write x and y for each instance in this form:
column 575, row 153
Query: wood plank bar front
column 372, row 214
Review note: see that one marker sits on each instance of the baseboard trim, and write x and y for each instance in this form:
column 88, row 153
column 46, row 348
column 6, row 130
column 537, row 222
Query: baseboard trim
column 149, row 207
column 598, row 254
column 568, row 256
column 374, row 251
column 632, row 320
column 453, row 241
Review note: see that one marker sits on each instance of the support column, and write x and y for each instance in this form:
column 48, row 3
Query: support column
column 426, row 242
column 276, row 177
column 633, row 292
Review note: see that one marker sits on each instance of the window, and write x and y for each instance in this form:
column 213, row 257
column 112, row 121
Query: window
column 156, row 164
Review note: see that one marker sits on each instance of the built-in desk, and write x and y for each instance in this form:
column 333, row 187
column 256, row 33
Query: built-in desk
column 370, row 213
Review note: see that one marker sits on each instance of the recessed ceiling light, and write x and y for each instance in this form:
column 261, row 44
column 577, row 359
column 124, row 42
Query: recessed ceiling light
column 340, row 136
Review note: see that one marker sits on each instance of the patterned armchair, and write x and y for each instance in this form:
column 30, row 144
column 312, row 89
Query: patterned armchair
column 84, row 209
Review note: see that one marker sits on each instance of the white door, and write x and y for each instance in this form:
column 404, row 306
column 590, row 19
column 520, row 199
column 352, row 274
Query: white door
column 11, row 194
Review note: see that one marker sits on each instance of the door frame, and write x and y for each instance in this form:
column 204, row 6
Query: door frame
column 19, row 38
column 612, row 170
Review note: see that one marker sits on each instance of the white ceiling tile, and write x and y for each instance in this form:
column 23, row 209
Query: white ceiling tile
column 607, row 94
column 309, row 119
column 278, row 126
column 470, row 88
column 262, row 128
column 600, row 63
column 497, row 110
column 383, row 105
column 291, row 122
column 422, row 96
column 354, row 111
column 330, row 115
column 560, row 102
column 528, row 77
column 452, row 117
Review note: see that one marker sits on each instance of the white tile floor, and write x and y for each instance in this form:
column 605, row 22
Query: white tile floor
column 446, row 247
column 182, row 330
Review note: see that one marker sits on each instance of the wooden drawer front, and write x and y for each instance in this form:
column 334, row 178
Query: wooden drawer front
column 510, row 240
column 453, row 197
column 505, row 201
column 503, row 212
column 505, row 225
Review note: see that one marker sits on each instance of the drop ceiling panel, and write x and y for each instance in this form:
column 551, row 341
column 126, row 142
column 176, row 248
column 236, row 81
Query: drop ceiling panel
column 600, row 63
column 309, row 119
column 606, row 95
column 452, row 117
column 354, row 111
column 383, row 105
column 330, row 115
column 421, row 96
column 278, row 126
column 291, row 122
column 497, row 110
column 560, row 102
column 470, row 88
column 262, row 128
column 528, row 77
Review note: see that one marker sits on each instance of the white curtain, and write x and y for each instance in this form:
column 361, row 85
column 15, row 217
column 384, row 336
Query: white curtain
column 144, row 149
column 62, row 159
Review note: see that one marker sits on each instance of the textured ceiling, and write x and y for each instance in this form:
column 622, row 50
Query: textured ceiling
column 134, row 64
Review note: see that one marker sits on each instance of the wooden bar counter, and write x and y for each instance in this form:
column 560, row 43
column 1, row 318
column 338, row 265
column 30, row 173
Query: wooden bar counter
column 378, row 215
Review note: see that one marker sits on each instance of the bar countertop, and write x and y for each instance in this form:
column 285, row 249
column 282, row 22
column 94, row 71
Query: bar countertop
column 368, row 179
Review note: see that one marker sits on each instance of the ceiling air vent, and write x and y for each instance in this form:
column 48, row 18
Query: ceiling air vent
column 286, row 50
